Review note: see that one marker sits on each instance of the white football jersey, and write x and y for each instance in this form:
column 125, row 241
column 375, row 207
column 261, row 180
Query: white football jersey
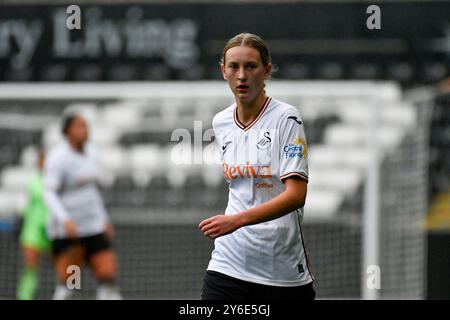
column 255, row 160
column 70, row 182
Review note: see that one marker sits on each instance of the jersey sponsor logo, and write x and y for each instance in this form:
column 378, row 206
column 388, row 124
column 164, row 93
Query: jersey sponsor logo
column 263, row 185
column 297, row 149
column 246, row 171
column 224, row 147
column 265, row 141
column 295, row 119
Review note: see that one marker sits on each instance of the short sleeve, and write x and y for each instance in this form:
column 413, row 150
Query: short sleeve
column 293, row 146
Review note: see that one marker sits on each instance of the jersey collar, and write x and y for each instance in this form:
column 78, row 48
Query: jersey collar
column 247, row 127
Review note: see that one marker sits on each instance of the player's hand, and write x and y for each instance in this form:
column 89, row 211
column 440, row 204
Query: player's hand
column 71, row 229
column 218, row 225
column 109, row 231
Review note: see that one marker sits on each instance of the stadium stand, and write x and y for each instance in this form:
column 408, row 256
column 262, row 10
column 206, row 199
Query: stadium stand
column 156, row 209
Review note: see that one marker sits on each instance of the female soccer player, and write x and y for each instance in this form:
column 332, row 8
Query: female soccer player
column 33, row 237
column 259, row 249
column 78, row 226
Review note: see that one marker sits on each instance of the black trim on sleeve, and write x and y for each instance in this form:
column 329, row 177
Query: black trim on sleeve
column 292, row 174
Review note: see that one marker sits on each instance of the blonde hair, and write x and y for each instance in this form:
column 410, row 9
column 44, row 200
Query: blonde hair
column 249, row 40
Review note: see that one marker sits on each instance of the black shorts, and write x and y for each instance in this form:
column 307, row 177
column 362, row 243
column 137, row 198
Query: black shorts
column 91, row 244
column 218, row 286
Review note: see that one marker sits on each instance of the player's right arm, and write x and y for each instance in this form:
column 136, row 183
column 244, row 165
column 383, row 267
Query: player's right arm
column 52, row 183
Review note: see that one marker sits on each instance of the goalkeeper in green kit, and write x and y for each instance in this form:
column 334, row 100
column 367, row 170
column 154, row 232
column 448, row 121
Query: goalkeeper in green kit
column 33, row 237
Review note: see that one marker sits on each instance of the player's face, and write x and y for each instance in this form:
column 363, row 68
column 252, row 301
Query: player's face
column 78, row 131
column 245, row 72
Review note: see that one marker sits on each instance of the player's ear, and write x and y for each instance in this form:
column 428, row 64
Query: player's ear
column 222, row 68
column 268, row 71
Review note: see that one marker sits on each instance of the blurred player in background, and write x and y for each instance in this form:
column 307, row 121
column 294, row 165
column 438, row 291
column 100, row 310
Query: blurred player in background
column 33, row 237
column 259, row 250
column 78, row 226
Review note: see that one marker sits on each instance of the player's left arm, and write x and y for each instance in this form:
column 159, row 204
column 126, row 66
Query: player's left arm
column 292, row 198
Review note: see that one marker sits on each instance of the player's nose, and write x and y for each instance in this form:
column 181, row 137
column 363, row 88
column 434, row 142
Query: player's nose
column 241, row 74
